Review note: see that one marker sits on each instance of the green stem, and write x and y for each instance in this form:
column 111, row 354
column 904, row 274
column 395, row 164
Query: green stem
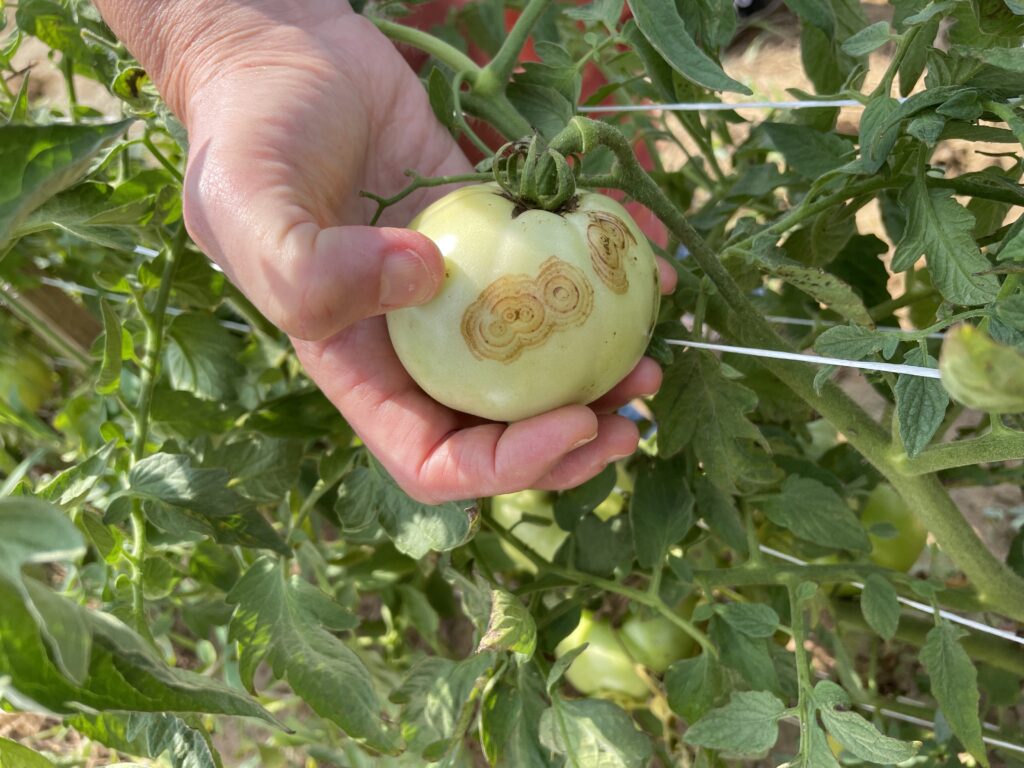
column 439, row 49
column 147, row 385
column 496, row 74
column 162, row 159
column 67, row 67
column 642, row 597
column 885, row 84
column 499, row 112
column 995, row 582
column 995, row 446
column 886, row 308
column 803, row 668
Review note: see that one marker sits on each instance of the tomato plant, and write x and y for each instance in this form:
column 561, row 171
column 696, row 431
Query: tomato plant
column 202, row 563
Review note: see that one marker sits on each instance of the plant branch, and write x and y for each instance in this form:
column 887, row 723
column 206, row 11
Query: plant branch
column 995, row 446
column 439, row 49
column 154, row 321
column 1001, row 587
column 496, row 74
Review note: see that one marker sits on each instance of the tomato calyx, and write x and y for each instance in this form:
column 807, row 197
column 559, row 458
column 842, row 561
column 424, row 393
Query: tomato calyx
column 534, row 176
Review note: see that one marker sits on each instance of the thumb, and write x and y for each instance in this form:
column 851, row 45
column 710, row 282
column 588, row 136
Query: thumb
column 340, row 275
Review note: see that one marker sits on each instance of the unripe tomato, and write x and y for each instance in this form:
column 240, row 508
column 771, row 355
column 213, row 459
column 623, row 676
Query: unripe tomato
column 25, row 378
column 884, row 505
column 604, row 667
column 537, row 310
column 656, row 642
column 508, row 510
column 608, row 665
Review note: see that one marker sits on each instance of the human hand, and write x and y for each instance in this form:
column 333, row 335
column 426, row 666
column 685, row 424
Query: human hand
column 292, row 109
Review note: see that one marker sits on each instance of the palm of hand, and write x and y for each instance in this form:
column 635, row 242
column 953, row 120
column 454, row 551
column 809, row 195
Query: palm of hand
column 278, row 159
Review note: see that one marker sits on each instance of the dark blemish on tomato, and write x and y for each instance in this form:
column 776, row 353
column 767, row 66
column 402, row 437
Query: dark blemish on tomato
column 517, row 312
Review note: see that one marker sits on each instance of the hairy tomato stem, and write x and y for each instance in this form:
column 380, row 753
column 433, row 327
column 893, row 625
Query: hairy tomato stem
column 998, row 585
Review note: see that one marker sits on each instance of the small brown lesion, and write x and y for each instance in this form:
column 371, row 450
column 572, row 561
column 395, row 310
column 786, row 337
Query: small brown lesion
column 609, row 239
column 518, row 312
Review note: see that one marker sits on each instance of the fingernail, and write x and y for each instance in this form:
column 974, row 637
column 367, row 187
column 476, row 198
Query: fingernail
column 405, row 280
column 584, row 441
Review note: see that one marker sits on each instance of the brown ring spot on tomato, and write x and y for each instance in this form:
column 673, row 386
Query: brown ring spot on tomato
column 517, row 312
column 609, row 239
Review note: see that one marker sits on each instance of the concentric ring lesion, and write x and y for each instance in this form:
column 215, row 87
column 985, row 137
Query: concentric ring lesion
column 519, row 312
column 609, row 239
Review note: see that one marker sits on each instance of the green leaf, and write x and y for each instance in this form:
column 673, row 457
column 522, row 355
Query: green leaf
column 939, row 228
column 15, row 755
column 433, row 696
column 125, row 672
column 510, row 628
column 33, row 531
column 693, row 685
column 816, row 513
column 261, row 469
column 600, row 546
column 664, row 29
column 36, row 162
column 752, row 619
column 748, row 726
column 660, row 510
column 954, row 684
column 861, row 739
column 809, row 152
column 110, row 371
column 574, row 504
column 981, row 373
column 750, row 657
column 71, row 486
column 868, row 39
column 547, row 110
column 371, row 495
column 442, row 100
column 719, row 511
column 151, row 735
column 920, row 404
column 510, row 719
column 880, row 606
column 202, row 356
column 698, row 405
column 170, row 478
column 879, row 130
column 282, row 621
column 852, row 342
column 824, row 288
column 593, row 733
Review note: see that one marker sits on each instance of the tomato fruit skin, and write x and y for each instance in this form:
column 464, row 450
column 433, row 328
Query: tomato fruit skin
column 884, row 505
column 538, row 310
column 603, row 667
column 655, row 642
column 608, row 665
column 508, row 510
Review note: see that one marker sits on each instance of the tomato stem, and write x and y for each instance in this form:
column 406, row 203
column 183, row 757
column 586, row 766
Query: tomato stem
column 494, row 77
column 1000, row 586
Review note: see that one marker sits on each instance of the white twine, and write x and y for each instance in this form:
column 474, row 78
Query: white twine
column 719, row 106
column 910, row 370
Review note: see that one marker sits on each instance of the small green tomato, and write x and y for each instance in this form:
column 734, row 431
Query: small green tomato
column 537, row 310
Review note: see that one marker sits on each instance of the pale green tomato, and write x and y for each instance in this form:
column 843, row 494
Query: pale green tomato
column 604, row 667
column 656, row 642
column 508, row 510
column 885, row 505
column 25, row 378
column 537, row 310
